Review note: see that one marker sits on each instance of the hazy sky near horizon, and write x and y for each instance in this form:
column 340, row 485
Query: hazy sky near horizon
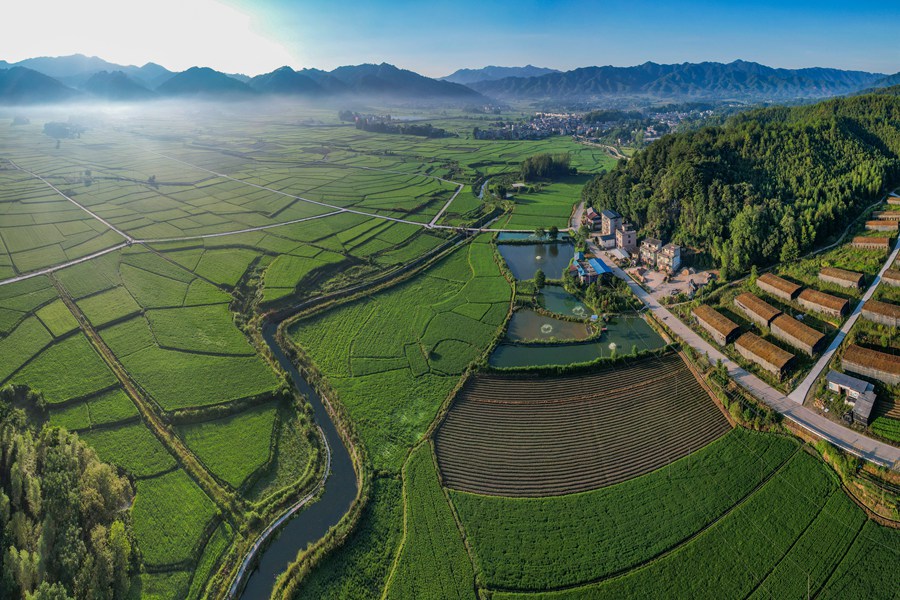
column 436, row 38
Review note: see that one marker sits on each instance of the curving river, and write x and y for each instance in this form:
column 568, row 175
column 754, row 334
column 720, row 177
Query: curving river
column 312, row 522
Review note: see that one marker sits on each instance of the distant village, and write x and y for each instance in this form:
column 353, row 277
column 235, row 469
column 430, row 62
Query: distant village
column 579, row 125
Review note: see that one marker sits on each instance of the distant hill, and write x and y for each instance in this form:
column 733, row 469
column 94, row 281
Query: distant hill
column 492, row 73
column 117, row 86
column 204, row 82
column 19, row 85
column 388, row 80
column 151, row 75
column 61, row 67
column 890, row 80
column 286, row 81
column 706, row 80
column 365, row 80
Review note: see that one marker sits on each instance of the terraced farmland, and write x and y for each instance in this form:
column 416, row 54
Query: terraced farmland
column 527, row 436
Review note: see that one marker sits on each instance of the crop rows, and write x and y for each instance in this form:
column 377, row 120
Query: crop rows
column 543, row 543
column 433, row 563
column 562, row 434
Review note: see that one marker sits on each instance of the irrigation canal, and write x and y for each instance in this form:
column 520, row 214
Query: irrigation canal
column 313, row 521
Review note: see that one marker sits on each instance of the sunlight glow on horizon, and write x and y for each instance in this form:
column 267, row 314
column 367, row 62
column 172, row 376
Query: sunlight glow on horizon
column 176, row 34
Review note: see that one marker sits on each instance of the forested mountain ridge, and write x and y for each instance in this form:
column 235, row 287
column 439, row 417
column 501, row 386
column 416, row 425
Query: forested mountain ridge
column 702, row 80
column 768, row 185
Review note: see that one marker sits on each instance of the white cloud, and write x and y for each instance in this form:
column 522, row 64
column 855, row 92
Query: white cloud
column 174, row 33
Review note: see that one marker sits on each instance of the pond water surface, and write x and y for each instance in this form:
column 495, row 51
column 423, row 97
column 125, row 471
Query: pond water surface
column 524, row 259
column 556, row 299
column 623, row 333
column 531, row 325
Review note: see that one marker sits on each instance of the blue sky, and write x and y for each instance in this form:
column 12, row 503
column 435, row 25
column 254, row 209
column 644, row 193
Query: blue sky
column 435, row 38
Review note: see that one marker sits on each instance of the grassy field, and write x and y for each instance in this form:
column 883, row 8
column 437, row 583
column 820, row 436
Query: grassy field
column 406, row 347
column 542, row 543
column 234, row 447
column 433, row 562
column 170, row 515
column 751, row 545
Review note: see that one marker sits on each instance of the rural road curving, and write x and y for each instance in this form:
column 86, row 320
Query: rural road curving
column 842, row 437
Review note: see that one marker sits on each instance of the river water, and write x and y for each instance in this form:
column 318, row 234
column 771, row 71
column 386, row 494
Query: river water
column 313, row 522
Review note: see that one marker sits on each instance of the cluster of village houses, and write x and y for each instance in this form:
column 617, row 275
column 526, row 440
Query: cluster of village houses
column 620, row 238
column 875, row 364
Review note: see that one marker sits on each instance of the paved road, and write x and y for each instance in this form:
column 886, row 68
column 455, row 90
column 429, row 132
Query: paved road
column 70, row 263
column 849, row 440
column 82, row 207
column 799, row 394
column 575, row 220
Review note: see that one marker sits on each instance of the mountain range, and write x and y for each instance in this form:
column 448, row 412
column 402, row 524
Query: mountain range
column 57, row 79
column 707, row 80
column 54, row 79
column 493, row 73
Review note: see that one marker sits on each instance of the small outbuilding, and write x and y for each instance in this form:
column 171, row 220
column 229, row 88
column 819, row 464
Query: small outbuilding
column 871, row 243
column 821, row 302
column 721, row 328
column 778, row 286
column 757, row 310
column 882, row 225
column 800, row 336
column 872, row 363
column 766, row 354
column 883, row 313
column 860, row 394
column 842, row 277
column 891, row 277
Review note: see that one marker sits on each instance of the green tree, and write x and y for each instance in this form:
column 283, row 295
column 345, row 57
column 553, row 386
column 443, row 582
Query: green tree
column 554, row 232
column 540, row 233
column 539, row 278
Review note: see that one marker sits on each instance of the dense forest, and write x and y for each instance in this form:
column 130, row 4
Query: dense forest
column 64, row 515
column 545, row 166
column 768, row 185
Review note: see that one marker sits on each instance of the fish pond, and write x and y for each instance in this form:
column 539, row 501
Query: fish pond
column 623, row 334
column 524, row 259
column 556, row 299
column 528, row 324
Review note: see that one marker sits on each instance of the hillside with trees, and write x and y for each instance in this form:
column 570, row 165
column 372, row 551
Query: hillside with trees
column 768, row 185
column 64, row 515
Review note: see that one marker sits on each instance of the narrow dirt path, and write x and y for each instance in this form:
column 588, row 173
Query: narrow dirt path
column 224, row 499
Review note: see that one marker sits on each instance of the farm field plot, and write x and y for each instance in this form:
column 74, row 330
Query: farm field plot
column 550, row 205
column 392, row 358
column 104, row 408
column 177, row 379
column 543, row 543
column 293, row 457
column 132, row 447
column 170, row 515
column 65, row 370
column 753, row 540
column 433, row 562
column 57, row 318
column 40, row 228
column 539, row 436
column 234, row 447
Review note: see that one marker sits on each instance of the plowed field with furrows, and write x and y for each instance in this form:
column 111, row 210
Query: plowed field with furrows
column 558, row 435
